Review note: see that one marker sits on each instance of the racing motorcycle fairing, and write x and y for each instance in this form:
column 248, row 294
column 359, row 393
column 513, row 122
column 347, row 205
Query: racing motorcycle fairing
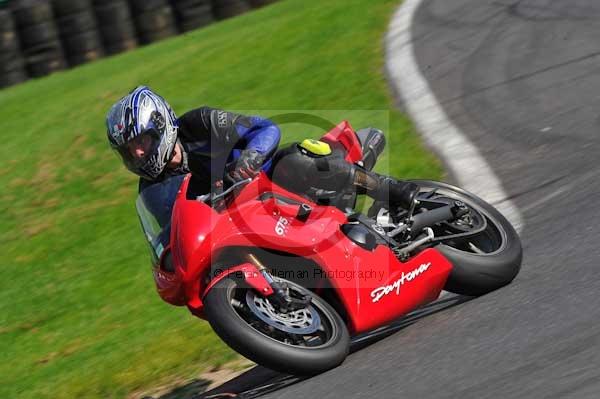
column 373, row 286
column 344, row 134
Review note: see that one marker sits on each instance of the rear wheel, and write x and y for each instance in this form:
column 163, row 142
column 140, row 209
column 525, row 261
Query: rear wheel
column 482, row 262
column 304, row 342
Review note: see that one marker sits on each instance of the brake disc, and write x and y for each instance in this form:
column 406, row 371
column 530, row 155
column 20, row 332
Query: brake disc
column 301, row 321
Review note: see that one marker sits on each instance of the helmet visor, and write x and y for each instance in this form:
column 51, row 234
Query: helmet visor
column 137, row 151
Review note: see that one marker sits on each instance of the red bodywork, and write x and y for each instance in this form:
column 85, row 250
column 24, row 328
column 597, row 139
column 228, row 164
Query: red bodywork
column 381, row 288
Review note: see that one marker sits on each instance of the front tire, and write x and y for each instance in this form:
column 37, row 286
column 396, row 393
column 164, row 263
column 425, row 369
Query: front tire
column 261, row 335
column 488, row 261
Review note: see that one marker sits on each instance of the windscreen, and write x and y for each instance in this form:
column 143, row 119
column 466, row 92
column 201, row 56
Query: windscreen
column 154, row 206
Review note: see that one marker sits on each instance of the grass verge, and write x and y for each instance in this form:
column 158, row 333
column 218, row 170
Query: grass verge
column 78, row 313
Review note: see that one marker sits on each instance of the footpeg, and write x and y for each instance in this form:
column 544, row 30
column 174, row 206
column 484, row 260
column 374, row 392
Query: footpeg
column 402, row 253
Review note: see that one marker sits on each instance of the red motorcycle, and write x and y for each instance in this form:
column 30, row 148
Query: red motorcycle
column 285, row 281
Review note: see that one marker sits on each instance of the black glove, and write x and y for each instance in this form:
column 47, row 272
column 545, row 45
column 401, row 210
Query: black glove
column 246, row 166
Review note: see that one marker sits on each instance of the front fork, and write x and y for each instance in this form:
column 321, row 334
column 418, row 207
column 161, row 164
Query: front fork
column 280, row 298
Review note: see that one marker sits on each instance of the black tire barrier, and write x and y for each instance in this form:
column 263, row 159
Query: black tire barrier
column 31, row 12
column 113, row 34
column 12, row 69
column 38, row 36
column 45, row 59
column 181, row 6
column 11, row 62
column 78, row 30
column 12, row 65
column 155, row 36
column 154, row 20
column 83, row 47
column 192, row 14
column 147, row 5
column 84, row 57
column 10, row 78
column 260, row 3
column 117, row 29
column 6, row 20
column 120, row 47
column 229, row 8
column 110, row 12
column 9, row 40
column 82, row 42
column 154, row 25
column 195, row 23
column 90, row 28
column 43, row 65
column 76, row 23
column 68, row 7
column 35, row 35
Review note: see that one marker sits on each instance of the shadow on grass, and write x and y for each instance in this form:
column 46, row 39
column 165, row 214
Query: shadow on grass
column 259, row 381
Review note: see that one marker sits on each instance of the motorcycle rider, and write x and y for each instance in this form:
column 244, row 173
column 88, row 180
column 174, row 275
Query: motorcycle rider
column 157, row 146
column 216, row 145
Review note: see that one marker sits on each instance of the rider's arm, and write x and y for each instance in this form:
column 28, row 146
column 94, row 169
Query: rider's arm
column 259, row 134
column 215, row 134
column 227, row 130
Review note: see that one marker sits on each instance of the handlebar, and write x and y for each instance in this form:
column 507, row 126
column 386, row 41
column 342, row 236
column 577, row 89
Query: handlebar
column 215, row 197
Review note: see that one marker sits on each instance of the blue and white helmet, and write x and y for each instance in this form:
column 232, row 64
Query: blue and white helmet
column 142, row 129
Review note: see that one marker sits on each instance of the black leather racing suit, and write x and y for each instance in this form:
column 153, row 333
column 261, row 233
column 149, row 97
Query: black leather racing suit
column 211, row 139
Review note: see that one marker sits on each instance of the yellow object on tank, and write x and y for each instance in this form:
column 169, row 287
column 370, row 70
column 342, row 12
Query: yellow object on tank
column 316, row 147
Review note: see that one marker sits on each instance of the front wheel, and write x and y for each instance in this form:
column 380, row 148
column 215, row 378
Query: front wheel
column 302, row 342
column 486, row 261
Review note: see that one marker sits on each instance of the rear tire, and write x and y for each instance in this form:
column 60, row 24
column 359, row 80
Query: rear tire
column 477, row 273
column 234, row 327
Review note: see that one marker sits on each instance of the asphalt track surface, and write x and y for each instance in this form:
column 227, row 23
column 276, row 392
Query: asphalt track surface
column 522, row 80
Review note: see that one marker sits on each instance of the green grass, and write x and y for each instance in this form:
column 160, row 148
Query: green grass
column 79, row 316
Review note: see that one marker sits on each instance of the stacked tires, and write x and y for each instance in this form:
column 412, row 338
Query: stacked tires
column 35, row 35
column 78, row 31
column 12, row 67
column 192, row 14
column 39, row 37
column 154, row 20
column 260, row 3
column 229, row 8
column 116, row 26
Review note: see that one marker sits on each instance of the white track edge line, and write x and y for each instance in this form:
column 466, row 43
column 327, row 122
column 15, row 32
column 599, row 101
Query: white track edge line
column 461, row 156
